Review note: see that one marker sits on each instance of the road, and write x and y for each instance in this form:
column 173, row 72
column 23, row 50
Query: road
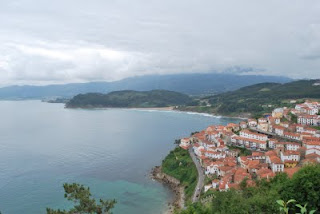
column 200, row 182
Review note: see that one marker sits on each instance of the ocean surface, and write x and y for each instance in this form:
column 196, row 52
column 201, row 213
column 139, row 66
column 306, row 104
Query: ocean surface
column 44, row 145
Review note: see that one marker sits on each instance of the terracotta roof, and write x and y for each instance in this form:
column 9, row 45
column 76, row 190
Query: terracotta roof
column 289, row 152
column 291, row 171
column 275, row 159
column 257, row 154
column 265, row 173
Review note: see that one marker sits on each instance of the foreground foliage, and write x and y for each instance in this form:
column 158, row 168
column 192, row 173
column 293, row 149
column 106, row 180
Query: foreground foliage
column 303, row 187
column 84, row 203
column 179, row 165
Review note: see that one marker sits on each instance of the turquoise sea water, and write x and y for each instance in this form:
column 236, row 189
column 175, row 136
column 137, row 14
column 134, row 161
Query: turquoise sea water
column 43, row 145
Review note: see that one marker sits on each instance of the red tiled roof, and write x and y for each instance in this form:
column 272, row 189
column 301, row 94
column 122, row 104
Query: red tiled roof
column 275, row 159
column 291, row 171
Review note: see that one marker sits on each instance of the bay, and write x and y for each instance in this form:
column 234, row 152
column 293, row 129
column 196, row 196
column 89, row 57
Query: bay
column 44, row 145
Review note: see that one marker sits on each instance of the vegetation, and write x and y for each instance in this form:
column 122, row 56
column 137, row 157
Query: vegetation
column 285, row 209
column 304, row 187
column 138, row 99
column 179, row 165
column 258, row 99
column 84, row 203
column 243, row 151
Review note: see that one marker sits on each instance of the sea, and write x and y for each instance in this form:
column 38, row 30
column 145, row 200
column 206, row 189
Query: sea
column 44, row 145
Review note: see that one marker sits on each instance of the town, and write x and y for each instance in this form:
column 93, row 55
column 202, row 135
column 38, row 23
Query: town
column 281, row 141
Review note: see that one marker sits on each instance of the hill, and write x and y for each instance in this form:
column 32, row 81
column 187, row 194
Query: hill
column 257, row 98
column 192, row 84
column 126, row 99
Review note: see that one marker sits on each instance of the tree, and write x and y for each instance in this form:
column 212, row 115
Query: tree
column 304, row 187
column 84, row 203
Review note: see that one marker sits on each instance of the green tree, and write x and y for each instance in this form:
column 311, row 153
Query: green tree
column 84, row 203
column 304, row 187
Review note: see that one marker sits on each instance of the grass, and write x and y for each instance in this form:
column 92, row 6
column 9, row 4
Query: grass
column 179, row 165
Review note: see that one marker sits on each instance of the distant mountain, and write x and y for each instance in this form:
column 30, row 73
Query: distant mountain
column 124, row 99
column 192, row 84
column 258, row 98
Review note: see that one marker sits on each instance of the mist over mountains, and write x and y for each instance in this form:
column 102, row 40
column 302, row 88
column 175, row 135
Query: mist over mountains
column 192, row 84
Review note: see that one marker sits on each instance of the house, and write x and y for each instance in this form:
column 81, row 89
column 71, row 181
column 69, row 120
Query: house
column 198, row 150
column 292, row 146
column 279, row 146
column 290, row 156
column 214, row 155
column 312, row 120
column 291, row 135
column 223, row 170
column 262, row 120
column 265, row 173
column 252, row 135
column 223, row 186
column 277, row 113
column 313, row 150
column 241, row 174
column 299, row 128
column 274, row 161
column 213, row 168
column 185, row 143
column 272, row 143
column 252, row 122
column 215, row 183
column 310, row 130
column 207, row 187
column 233, row 127
column 274, row 120
column 284, row 124
column 258, row 156
column 276, row 164
column 311, row 145
column 243, row 125
column 264, row 126
column 278, row 130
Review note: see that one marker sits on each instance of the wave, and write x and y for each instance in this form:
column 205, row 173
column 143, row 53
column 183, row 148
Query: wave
column 179, row 112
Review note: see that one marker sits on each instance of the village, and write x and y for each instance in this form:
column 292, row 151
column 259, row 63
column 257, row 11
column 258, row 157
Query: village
column 281, row 141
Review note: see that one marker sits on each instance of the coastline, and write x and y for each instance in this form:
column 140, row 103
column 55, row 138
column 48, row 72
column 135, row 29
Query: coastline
column 168, row 109
column 173, row 184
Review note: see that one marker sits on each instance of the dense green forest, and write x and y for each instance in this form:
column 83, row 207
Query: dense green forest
column 179, row 165
column 123, row 99
column 304, row 187
column 256, row 99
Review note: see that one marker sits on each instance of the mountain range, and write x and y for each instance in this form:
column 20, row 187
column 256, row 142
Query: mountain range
column 191, row 84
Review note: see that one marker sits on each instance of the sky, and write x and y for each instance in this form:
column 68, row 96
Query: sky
column 62, row 41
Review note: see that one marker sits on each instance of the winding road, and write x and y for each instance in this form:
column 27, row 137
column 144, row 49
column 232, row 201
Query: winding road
column 200, row 182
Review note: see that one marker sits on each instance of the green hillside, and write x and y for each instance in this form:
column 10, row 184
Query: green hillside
column 257, row 98
column 125, row 99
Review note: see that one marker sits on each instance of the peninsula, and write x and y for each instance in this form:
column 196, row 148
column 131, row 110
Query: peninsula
column 129, row 99
column 248, row 166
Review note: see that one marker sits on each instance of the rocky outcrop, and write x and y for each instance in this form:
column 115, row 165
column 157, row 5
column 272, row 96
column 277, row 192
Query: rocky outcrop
column 173, row 184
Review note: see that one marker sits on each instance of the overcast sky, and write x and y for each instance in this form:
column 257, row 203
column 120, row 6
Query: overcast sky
column 46, row 41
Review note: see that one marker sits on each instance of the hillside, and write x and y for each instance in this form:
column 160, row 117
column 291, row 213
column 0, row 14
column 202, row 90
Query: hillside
column 125, row 99
column 257, row 98
column 192, row 84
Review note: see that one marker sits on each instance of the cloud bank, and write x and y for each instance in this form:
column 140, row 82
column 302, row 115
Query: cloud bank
column 60, row 41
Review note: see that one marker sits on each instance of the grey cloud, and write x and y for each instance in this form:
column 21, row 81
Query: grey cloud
column 60, row 41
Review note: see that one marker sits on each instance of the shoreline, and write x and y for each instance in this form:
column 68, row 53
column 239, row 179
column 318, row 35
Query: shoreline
column 168, row 109
column 178, row 200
